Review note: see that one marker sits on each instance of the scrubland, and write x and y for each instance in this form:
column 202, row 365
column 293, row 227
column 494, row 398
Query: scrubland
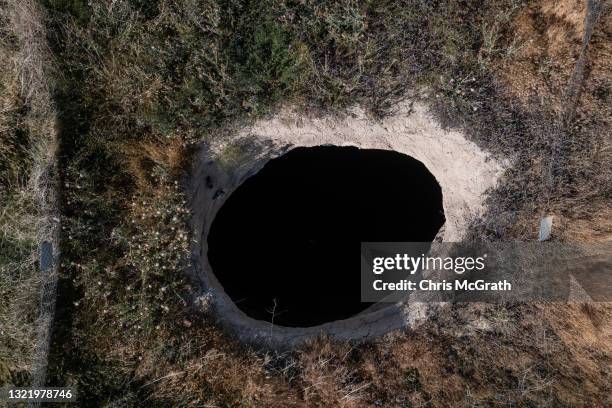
column 131, row 87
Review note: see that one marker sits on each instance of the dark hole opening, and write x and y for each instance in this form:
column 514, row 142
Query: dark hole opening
column 285, row 244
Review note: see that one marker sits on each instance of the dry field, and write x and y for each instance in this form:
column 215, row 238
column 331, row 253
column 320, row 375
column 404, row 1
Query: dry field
column 130, row 87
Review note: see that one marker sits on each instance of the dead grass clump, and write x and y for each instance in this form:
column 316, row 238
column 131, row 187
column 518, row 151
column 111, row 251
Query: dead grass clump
column 483, row 356
column 210, row 370
column 327, row 376
column 550, row 34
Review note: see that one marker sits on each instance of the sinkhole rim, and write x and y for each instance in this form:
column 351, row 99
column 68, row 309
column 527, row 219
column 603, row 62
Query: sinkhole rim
column 465, row 172
column 244, row 316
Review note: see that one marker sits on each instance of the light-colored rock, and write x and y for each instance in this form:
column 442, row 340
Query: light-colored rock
column 545, row 228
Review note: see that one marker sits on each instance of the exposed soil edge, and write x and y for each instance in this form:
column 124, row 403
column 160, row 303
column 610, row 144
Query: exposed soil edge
column 464, row 172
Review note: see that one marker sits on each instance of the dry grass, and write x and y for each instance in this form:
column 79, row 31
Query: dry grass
column 471, row 356
column 141, row 81
column 560, row 151
column 27, row 156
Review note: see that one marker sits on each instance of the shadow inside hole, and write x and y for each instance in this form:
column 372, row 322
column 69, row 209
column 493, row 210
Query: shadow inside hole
column 285, row 245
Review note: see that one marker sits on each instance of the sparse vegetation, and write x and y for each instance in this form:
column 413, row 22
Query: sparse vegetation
column 26, row 156
column 139, row 82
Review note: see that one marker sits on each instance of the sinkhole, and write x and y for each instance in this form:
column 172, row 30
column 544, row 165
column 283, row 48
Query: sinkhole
column 285, row 244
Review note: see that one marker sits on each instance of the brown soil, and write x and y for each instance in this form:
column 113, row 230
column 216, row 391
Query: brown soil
column 548, row 38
